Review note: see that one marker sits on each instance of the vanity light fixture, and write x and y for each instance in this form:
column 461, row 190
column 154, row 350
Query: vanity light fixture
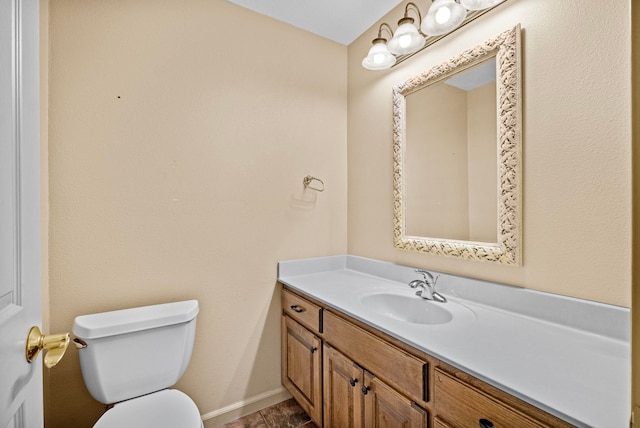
column 407, row 39
column 443, row 16
column 379, row 57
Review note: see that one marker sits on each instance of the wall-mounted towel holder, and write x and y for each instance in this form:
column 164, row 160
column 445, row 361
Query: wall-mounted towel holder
column 307, row 180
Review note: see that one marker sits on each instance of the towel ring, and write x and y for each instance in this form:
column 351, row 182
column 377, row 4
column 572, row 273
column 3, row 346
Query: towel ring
column 307, row 180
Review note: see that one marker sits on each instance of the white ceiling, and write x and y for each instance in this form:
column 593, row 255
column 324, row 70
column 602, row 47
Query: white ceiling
column 342, row 21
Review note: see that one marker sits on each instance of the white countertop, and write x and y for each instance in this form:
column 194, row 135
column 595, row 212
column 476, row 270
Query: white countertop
column 567, row 356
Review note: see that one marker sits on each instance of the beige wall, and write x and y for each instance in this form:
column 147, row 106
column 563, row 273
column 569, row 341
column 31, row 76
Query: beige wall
column 179, row 136
column 576, row 148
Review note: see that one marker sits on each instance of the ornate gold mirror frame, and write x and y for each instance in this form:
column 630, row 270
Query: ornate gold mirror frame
column 506, row 48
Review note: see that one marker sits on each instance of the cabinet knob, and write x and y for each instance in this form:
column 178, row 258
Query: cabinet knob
column 312, row 349
column 365, row 389
column 353, row 382
column 297, row 308
column 485, row 423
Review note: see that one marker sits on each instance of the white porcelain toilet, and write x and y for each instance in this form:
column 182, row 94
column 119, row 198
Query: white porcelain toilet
column 129, row 358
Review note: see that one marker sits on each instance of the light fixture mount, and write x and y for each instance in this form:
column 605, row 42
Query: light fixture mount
column 406, row 20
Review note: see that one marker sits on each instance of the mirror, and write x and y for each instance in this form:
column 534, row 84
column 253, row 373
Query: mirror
column 451, row 158
column 457, row 143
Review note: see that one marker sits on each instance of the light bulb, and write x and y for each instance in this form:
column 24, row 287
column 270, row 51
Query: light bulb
column 443, row 15
column 404, row 41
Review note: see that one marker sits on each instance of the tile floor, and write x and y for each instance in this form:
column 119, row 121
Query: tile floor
column 286, row 414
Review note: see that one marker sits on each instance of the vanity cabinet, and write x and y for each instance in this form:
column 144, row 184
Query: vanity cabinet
column 345, row 373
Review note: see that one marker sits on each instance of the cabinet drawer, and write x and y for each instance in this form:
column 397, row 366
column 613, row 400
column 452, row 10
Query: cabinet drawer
column 301, row 310
column 402, row 371
column 463, row 406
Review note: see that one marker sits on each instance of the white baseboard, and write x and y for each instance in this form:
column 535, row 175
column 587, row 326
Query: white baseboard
column 245, row 407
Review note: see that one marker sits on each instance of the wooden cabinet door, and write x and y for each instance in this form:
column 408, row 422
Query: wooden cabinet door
column 302, row 367
column 342, row 390
column 385, row 408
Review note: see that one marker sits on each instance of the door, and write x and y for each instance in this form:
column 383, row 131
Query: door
column 20, row 275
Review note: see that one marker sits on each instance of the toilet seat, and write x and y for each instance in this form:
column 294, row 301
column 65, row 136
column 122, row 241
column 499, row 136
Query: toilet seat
column 168, row 408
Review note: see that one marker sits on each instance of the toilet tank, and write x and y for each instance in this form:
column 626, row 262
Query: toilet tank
column 133, row 352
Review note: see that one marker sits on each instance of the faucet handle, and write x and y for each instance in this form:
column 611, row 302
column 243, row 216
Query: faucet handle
column 428, row 277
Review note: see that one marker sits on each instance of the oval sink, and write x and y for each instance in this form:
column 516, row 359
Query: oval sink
column 411, row 309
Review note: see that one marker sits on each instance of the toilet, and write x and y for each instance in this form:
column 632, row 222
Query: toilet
column 130, row 358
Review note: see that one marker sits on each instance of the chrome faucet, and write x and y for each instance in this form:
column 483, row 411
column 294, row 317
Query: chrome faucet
column 428, row 285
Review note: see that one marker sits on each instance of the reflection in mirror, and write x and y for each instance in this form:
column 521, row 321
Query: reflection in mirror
column 456, row 155
column 450, row 157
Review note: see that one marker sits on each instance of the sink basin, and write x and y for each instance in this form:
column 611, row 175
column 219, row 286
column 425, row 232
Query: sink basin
column 408, row 308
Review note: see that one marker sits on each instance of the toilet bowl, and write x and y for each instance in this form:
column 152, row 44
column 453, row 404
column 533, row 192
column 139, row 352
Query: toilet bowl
column 130, row 358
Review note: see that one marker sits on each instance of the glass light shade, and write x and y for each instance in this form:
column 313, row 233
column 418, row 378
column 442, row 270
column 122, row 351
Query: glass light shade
column 479, row 4
column 379, row 56
column 406, row 39
column 443, row 16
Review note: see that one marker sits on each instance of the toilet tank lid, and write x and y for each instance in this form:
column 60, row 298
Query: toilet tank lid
column 122, row 321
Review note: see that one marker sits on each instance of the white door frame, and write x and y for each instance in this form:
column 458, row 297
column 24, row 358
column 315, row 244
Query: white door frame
column 20, row 268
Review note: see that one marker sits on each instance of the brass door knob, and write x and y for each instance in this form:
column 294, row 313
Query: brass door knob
column 55, row 345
